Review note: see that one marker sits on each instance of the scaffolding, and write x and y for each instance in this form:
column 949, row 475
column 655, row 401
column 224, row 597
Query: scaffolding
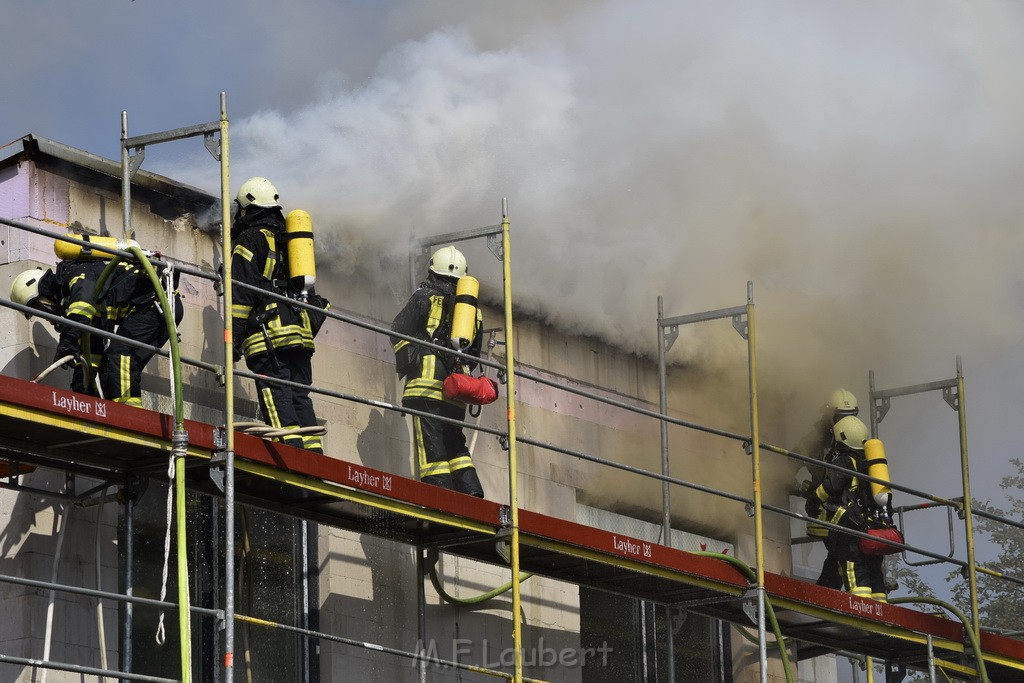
column 242, row 469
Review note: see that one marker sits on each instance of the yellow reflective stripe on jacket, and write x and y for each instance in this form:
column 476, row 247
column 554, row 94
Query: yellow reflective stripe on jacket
column 245, row 253
column 240, row 311
column 281, row 336
column 425, row 386
column 82, row 308
column 271, row 263
column 460, row 463
column 435, row 314
column 838, row 515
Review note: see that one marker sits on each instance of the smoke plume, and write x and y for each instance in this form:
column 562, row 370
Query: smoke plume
column 856, row 162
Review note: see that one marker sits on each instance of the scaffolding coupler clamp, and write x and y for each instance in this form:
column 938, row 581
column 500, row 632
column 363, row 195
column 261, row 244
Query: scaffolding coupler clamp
column 961, row 512
column 503, row 541
column 748, row 447
column 749, row 605
column 505, row 516
column 220, row 439
column 503, row 441
column 218, row 463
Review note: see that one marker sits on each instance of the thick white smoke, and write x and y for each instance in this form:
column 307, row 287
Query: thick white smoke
column 856, row 162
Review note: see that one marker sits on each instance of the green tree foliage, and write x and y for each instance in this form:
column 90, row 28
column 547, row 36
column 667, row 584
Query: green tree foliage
column 1000, row 602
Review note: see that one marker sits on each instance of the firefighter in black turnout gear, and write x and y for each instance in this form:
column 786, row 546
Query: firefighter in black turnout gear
column 441, row 451
column 849, row 503
column 127, row 304
column 819, row 443
column 275, row 338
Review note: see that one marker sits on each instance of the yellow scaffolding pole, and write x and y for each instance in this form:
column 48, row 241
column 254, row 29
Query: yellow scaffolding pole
column 513, row 491
column 972, row 575
column 756, row 466
column 229, row 400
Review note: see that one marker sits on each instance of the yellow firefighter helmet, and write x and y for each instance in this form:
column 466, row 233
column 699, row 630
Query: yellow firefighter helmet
column 852, row 432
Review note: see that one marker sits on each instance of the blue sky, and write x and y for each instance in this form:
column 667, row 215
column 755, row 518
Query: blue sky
column 859, row 162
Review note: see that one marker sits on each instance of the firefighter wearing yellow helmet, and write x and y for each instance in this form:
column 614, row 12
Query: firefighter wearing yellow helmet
column 817, row 444
column 442, row 311
column 275, row 337
column 848, row 501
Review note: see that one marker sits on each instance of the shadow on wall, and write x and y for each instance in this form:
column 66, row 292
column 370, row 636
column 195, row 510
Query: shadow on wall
column 383, row 443
column 36, row 357
column 203, row 389
column 479, row 635
column 29, row 541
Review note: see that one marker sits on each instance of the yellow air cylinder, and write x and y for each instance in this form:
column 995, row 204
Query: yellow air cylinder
column 298, row 226
column 878, row 467
column 70, row 251
column 464, row 316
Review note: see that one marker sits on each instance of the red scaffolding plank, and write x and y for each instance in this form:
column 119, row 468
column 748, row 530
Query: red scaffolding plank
column 57, row 428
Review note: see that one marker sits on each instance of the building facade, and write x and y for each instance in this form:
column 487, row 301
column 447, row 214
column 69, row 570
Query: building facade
column 361, row 586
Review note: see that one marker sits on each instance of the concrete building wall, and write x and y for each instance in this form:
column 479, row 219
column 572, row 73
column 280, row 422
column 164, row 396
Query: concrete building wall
column 368, row 585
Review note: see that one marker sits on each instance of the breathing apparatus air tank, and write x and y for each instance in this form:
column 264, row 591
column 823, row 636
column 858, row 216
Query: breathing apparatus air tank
column 71, row 251
column 298, row 227
column 878, row 467
column 464, row 316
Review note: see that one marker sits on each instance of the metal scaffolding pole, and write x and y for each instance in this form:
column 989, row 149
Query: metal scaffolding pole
column 513, row 467
column 130, row 164
column 664, row 343
column 743, row 322
column 953, row 394
column 229, row 405
column 756, row 466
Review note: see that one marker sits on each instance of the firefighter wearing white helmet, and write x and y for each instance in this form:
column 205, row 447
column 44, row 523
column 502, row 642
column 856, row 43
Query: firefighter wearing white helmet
column 275, row 338
column 817, row 444
column 842, row 403
column 442, row 454
column 25, row 291
column 126, row 305
column 848, row 502
column 449, row 262
column 259, row 192
column 818, row 441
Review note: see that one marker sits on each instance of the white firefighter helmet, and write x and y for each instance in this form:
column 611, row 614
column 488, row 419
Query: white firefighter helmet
column 448, row 261
column 842, row 402
column 259, row 192
column 852, row 432
column 25, row 287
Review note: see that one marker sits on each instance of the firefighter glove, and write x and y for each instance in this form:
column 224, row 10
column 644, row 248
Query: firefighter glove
column 66, row 347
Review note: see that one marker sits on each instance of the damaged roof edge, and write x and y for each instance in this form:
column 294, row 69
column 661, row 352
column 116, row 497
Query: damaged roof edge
column 35, row 146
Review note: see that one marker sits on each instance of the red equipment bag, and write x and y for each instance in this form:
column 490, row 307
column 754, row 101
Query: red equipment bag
column 873, row 547
column 469, row 389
